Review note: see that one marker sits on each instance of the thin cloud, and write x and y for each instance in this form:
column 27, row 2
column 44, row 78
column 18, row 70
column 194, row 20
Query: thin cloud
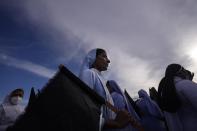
column 142, row 37
column 26, row 65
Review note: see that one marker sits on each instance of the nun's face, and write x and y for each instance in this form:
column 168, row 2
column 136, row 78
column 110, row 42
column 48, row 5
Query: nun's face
column 101, row 62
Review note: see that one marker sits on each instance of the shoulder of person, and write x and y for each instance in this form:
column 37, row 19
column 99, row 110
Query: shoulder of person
column 187, row 82
column 186, row 85
column 87, row 71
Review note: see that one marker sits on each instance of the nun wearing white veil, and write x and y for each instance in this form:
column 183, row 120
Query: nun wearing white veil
column 152, row 116
column 10, row 109
column 94, row 63
column 121, row 102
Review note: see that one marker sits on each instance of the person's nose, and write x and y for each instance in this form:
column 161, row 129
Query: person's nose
column 108, row 61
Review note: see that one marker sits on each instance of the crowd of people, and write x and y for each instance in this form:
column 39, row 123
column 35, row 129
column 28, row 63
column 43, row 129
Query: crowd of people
column 173, row 107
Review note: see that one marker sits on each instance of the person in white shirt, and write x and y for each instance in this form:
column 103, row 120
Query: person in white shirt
column 10, row 109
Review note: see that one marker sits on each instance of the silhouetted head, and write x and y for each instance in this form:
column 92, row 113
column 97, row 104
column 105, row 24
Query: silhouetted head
column 177, row 70
column 173, row 70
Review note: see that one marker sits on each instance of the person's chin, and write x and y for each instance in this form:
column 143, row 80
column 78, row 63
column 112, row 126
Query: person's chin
column 104, row 69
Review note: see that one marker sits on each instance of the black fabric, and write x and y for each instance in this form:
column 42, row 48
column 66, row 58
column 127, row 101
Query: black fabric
column 32, row 99
column 64, row 104
column 168, row 99
column 154, row 94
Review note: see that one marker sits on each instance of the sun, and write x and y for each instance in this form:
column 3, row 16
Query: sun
column 189, row 47
column 192, row 53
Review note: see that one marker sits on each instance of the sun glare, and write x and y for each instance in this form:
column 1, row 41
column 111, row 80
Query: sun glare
column 190, row 47
column 193, row 53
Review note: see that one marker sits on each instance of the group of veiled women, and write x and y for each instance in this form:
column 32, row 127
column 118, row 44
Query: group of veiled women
column 172, row 108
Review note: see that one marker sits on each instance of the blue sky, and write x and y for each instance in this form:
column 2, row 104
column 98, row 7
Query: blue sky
column 29, row 55
column 141, row 38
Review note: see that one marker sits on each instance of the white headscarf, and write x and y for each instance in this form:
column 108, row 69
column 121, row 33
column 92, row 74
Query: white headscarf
column 153, row 108
column 88, row 61
column 117, row 89
column 6, row 100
